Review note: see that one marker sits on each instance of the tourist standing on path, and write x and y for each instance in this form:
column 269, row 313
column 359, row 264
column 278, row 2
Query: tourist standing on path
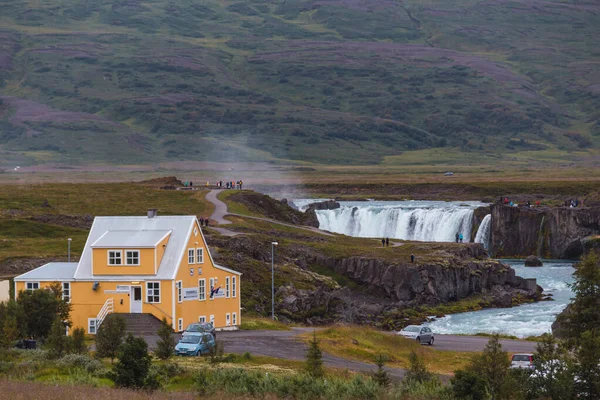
column 201, row 221
column 387, row 242
column 457, row 235
column 241, row 183
column 382, row 242
column 412, row 258
column 460, row 238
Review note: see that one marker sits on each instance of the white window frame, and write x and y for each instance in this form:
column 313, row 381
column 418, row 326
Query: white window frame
column 234, row 319
column 179, row 286
column 191, row 256
column 227, row 319
column 199, row 255
column 115, row 256
column 92, row 326
column 227, row 280
column 27, row 284
column 66, row 330
column 211, row 285
column 212, row 319
column 202, row 293
column 202, row 318
column 153, row 294
column 234, row 286
column 180, row 324
column 66, row 287
column 127, row 257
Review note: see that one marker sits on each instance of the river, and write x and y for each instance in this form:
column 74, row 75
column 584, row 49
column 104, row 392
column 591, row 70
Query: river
column 522, row 321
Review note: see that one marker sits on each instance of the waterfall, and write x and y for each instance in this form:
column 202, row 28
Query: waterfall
column 483, row 233
column 421, row 221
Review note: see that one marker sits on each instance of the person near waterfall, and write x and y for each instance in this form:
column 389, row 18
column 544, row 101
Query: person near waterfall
column 460, row 238
column 457, row 235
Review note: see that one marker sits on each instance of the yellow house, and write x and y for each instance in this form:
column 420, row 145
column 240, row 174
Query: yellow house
column 157, row 265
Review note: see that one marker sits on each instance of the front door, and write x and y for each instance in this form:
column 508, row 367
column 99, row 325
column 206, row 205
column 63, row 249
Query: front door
column 136, row 299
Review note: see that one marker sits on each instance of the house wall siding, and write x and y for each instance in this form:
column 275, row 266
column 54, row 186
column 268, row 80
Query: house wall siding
column 191, row 310
column 101, row 267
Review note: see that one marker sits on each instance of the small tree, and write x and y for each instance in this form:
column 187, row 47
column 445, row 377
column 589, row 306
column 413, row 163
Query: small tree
column 493, row 365
column 314, row 358
column 9, row 332
column 40, row 308
column 381, row 376
column 58, row 342
column 78, row 341
column 131, row 370
column 585, row 307
column 587, row 366
column 165, row 347
column 110, row 336
column 553, row 380
column 417, row 370
column 468, row 384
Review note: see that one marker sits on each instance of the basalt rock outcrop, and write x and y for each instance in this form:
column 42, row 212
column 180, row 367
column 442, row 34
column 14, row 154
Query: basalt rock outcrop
column 434, row 283
column 324, row 205
column 558, row 232
column 270, row 208
column 367, row 288
column 533, row 261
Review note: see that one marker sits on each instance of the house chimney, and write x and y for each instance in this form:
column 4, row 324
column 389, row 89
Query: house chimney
column 152, row 213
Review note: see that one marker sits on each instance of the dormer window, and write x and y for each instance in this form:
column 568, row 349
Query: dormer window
column 115, row 257
column 133, row 257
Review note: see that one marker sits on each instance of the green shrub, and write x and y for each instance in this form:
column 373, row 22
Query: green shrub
column 58, row 341
column 165, row 347
column 132, row 369
column 253, row 383
column 110, row 336
column 83, row 362
column 78, row 341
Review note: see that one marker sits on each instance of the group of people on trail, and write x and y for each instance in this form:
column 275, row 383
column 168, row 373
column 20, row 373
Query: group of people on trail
column 573, row 203
column 385, row 242
column 231, row 184
column 204, row 222
column 459, row 237
column 507, row 202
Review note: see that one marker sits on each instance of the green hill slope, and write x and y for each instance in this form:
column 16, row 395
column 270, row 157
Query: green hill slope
column 325, row 81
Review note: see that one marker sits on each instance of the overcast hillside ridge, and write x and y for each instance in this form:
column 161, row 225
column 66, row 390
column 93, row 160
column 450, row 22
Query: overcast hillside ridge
column 324, row 81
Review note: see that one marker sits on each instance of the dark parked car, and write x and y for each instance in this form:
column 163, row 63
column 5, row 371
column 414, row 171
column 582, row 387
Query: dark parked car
column 200, row 327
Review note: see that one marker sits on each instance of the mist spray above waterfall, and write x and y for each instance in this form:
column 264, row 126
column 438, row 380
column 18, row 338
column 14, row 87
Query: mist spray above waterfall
column 434, row 221
column 483, row 233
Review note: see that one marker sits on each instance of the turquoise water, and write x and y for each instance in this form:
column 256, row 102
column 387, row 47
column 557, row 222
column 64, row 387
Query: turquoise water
column 522, row 321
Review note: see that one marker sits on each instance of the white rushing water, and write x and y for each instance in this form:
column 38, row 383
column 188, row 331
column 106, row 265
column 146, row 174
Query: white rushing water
column 527, row 320
column 483, row 232
column 435, row 221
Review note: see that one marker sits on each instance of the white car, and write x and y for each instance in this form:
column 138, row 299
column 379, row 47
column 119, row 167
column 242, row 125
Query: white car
column 522, row 361
column 421, row 334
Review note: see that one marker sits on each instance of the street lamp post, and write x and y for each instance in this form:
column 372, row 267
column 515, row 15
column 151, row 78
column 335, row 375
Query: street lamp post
column 273, row 244
column 69, row 249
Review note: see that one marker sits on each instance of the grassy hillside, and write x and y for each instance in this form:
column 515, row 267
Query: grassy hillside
column 323, row 81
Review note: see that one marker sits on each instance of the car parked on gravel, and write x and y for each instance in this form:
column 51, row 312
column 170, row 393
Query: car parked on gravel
column 522, row 361
column 195, row 345
column 421, row 334
column 200, row 327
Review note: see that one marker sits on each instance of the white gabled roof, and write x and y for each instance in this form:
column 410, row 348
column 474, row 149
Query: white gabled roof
column 180, row 227
column 54, row 271
column 130, row 238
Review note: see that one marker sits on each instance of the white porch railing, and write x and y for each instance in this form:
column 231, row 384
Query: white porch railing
column 106, row 309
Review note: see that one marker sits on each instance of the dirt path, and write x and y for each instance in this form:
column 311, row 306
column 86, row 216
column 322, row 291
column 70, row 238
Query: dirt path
column 220, row 212
column 220, row 207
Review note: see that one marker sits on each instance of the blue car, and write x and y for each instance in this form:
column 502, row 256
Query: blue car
column 195, row 345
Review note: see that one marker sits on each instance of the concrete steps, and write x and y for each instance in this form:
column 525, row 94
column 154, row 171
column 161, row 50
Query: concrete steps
column 140, row 324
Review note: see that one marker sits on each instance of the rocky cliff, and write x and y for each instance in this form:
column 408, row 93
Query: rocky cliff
column 366, row 289
column 558, row 232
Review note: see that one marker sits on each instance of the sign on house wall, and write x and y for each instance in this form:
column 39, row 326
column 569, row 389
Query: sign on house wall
column 190, row 294
column 119, row 289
